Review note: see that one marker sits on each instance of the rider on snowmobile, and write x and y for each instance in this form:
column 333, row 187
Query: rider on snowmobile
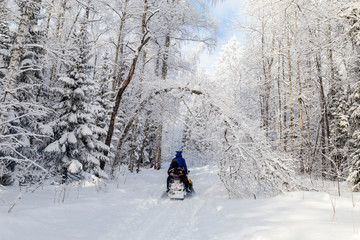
column 180, row 160
column 178, row 167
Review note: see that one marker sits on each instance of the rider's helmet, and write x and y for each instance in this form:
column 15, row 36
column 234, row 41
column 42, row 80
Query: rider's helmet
column 174, row 162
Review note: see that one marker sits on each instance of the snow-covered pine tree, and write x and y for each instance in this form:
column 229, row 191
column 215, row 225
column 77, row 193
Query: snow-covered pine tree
column 353, row 17
column 78, row 148
column 103, row 101
column 339, row 129
column 354, row 177
column 147, row 153
column 103, row 105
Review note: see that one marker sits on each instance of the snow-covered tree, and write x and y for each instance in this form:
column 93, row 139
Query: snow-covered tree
column 229, row 68
column 77, row 149
column 196, row 141
column 293, row 53
column 103, row 95
column 195, row 113
column 339, row 128
column 31, row 65
column 22, row 129
column 354, row 177
column 352, row 14
column 5, row 40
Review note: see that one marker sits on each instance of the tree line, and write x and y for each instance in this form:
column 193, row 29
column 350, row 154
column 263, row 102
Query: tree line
column 303, row 57
column 89, row 86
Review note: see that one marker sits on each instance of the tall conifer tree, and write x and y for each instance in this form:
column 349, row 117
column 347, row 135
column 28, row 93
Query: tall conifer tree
column 77, row 148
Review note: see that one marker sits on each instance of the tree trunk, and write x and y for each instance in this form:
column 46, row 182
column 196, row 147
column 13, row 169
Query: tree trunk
column 157, row 165
column 16, row 51
column 265, row 101
column 73, row 25
column 310, row 145
column 286, row 134
column 325, row 130
column 119, row 96
column 279, row 100
column 291, row 101
column 331, row 58
column 61, row 19
column 141, row 155
column 133, row 147
column 59, row 29
column 268, row 86
column 118, row 149
column 48, row 19
column 298, row 78
column 164, row 71
column 119, row 49
column 164, row 68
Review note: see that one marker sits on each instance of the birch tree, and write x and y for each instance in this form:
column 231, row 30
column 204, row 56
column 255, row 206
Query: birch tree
column 5, row 40
column 22, row 114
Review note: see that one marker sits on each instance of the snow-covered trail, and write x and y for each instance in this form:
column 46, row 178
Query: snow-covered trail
column 132, row 209
column 161, row 218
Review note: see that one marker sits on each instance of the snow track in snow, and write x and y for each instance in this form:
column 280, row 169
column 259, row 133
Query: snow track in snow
column 163, row 218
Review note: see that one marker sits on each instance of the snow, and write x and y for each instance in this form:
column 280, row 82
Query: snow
column 71, row 138
column 25, row 142
column 75, row 167
column 63, row 138
column 85, row 131
column 46, row 129
column 73, row 118
column 79, row 92
column 67, row 80
column 132, row 208
column 27, row 62
column 4, row 52
column 53, row 147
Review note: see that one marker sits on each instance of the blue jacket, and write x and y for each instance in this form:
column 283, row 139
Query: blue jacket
column 180, row 160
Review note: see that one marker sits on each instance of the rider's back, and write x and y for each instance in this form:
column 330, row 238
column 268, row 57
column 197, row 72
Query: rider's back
column 181, row 161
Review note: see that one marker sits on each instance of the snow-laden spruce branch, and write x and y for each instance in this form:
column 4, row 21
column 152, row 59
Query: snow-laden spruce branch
column 23, row 159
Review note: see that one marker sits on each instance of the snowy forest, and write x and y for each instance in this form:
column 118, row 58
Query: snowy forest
column 88, row 88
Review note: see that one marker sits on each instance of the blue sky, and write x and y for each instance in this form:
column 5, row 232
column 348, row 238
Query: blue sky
column 225, row 12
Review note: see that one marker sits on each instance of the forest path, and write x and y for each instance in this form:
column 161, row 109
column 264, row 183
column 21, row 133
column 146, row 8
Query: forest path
column 157, row 217
column 130, row 208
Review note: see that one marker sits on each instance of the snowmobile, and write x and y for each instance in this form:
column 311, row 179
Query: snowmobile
column 176, row 189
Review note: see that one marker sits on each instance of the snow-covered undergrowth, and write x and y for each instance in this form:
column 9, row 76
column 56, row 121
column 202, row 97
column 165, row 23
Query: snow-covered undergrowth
column 133, row 208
